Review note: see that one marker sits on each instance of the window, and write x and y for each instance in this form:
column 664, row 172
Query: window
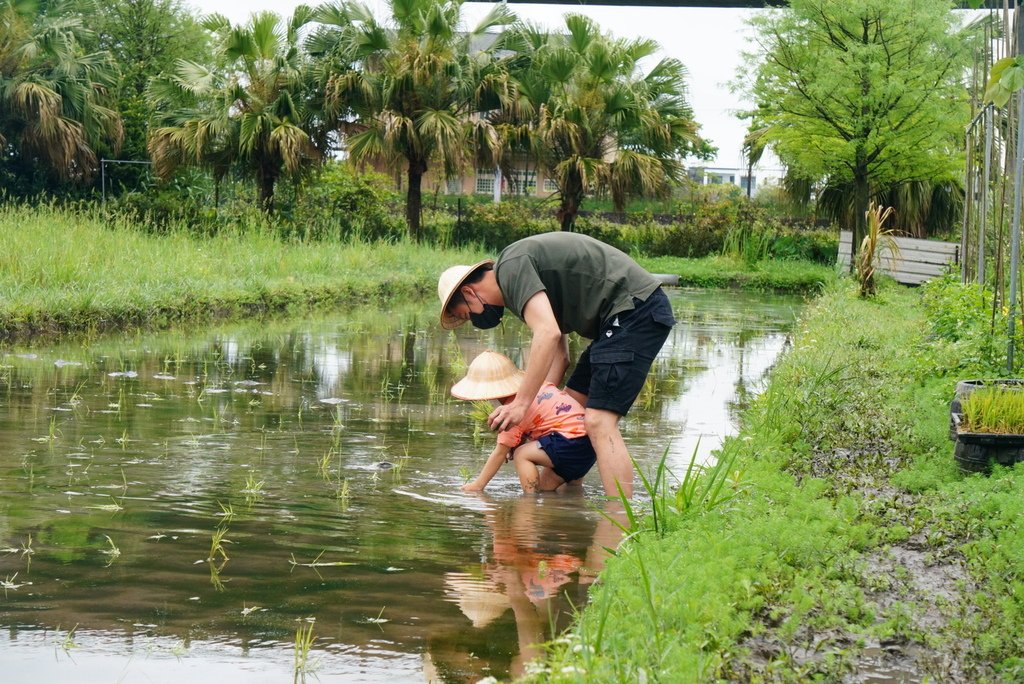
column 522, row 182
column 484, row 182
column 454, row 186
column 748, row 183
column 550, row 185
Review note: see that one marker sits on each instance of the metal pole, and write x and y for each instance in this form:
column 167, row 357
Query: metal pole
column 1018, row 172
column 103, row 181
column 984, row 196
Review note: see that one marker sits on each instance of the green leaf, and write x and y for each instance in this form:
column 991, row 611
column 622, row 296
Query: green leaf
column 1013, row 78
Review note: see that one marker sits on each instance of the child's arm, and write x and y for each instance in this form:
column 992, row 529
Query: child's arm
column 494, row 461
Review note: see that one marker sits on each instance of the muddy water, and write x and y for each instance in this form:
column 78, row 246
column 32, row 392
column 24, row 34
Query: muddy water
column 176, row 507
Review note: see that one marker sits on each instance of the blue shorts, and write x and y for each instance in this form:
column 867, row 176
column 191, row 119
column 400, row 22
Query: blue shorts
column 571, row 457
column 612, row 370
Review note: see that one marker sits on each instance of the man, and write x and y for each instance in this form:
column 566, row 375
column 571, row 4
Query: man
column 560, row 283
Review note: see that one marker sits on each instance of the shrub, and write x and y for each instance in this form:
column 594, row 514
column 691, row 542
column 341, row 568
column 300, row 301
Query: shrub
column 338, row 203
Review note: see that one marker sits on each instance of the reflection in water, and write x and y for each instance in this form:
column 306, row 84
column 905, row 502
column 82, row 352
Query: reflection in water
column 240, row 476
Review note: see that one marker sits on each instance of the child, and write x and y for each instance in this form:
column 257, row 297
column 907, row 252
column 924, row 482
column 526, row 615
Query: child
column 551, row 433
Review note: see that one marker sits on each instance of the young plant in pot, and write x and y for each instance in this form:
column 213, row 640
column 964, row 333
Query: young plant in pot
column 990, row 428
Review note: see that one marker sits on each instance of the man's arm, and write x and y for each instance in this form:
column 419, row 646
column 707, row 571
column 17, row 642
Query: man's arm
column 491, row 467
column 544, row 348
column 560, row 364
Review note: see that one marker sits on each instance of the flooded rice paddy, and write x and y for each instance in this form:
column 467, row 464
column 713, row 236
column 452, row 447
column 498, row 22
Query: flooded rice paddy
column 280, row 501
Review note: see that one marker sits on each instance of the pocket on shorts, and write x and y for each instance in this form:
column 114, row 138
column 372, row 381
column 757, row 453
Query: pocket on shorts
column 611, row 357
column 612, row 366
column 661, row 312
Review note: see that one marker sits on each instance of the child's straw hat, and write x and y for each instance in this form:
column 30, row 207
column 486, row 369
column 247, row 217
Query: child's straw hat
column 479, row 599
column 490, row 376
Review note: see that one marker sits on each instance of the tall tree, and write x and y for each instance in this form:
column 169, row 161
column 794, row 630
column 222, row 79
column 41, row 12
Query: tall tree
column 410, row 91
column 146, row 38
column 596, row 120
column 54, row 94
column 862, row 92
column 248, row 112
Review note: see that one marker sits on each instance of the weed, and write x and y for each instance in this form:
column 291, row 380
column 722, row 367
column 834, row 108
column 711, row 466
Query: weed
column 875, row 242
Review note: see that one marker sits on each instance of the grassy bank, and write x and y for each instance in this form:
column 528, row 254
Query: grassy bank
column 62, row 271
column 838, row 538
column 66, row 272
column 726, row 272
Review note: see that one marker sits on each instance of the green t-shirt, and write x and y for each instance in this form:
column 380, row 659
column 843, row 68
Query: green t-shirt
column 586, row 280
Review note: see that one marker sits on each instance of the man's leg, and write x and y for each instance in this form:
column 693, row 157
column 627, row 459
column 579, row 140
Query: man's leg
column 613, row 463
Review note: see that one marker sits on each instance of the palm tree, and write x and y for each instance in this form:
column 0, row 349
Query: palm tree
column 754, row 144
column 249, row 113
column 595, row 119
column 411, row 91
column 53, row 95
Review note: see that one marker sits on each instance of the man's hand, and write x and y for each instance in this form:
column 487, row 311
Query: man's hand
column 506, row 416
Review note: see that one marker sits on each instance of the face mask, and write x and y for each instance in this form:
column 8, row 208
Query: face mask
column 489, row 317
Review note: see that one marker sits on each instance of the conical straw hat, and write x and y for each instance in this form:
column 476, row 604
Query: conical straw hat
column 447, row 284
column 479, row 599
column 490, row 376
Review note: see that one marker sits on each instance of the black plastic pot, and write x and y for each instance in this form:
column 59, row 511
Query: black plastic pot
column 975, row 452
column 964, row 389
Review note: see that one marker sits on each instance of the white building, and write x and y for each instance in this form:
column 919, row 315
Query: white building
column 720, row 175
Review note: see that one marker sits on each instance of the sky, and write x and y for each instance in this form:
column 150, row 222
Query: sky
column 708, row 42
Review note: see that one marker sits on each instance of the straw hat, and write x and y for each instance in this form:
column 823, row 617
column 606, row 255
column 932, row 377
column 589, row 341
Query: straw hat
column 490, row 376
column 479, row 599
column 449, row 282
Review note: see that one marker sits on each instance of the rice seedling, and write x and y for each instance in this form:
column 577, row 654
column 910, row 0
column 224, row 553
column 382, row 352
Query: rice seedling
column 25, row 549
column 303, row 644
column 67, row 642
column 343, row 493
column 379, row 620
column 114, row 506
column 253, row 487
column 217, row 542
column 324, row 465
column 9, row 583
column 215, row 581
column 247, row 610
column 317, row 563
column 76, row 395
column 227, row 513
column 998, row 410
column 113, row 552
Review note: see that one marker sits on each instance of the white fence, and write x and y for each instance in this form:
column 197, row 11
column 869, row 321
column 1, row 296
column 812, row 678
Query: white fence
column 919, row 260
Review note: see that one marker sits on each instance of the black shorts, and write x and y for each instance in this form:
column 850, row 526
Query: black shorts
column 571, row 457
column 612, row 370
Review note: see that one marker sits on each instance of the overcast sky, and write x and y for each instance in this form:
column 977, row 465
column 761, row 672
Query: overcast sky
column 707, row 41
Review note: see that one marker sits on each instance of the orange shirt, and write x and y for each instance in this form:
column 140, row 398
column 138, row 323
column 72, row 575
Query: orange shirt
column 551, row 411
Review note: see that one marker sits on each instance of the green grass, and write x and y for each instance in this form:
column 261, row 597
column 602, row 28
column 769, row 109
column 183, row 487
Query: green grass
column 63, row 271
column 724, row 272
column 842, row 466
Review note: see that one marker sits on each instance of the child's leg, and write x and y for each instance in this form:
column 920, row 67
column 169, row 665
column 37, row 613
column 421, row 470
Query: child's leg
column 526, row 459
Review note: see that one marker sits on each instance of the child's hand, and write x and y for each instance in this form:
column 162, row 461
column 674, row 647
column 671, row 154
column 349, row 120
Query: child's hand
column 472, row 487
